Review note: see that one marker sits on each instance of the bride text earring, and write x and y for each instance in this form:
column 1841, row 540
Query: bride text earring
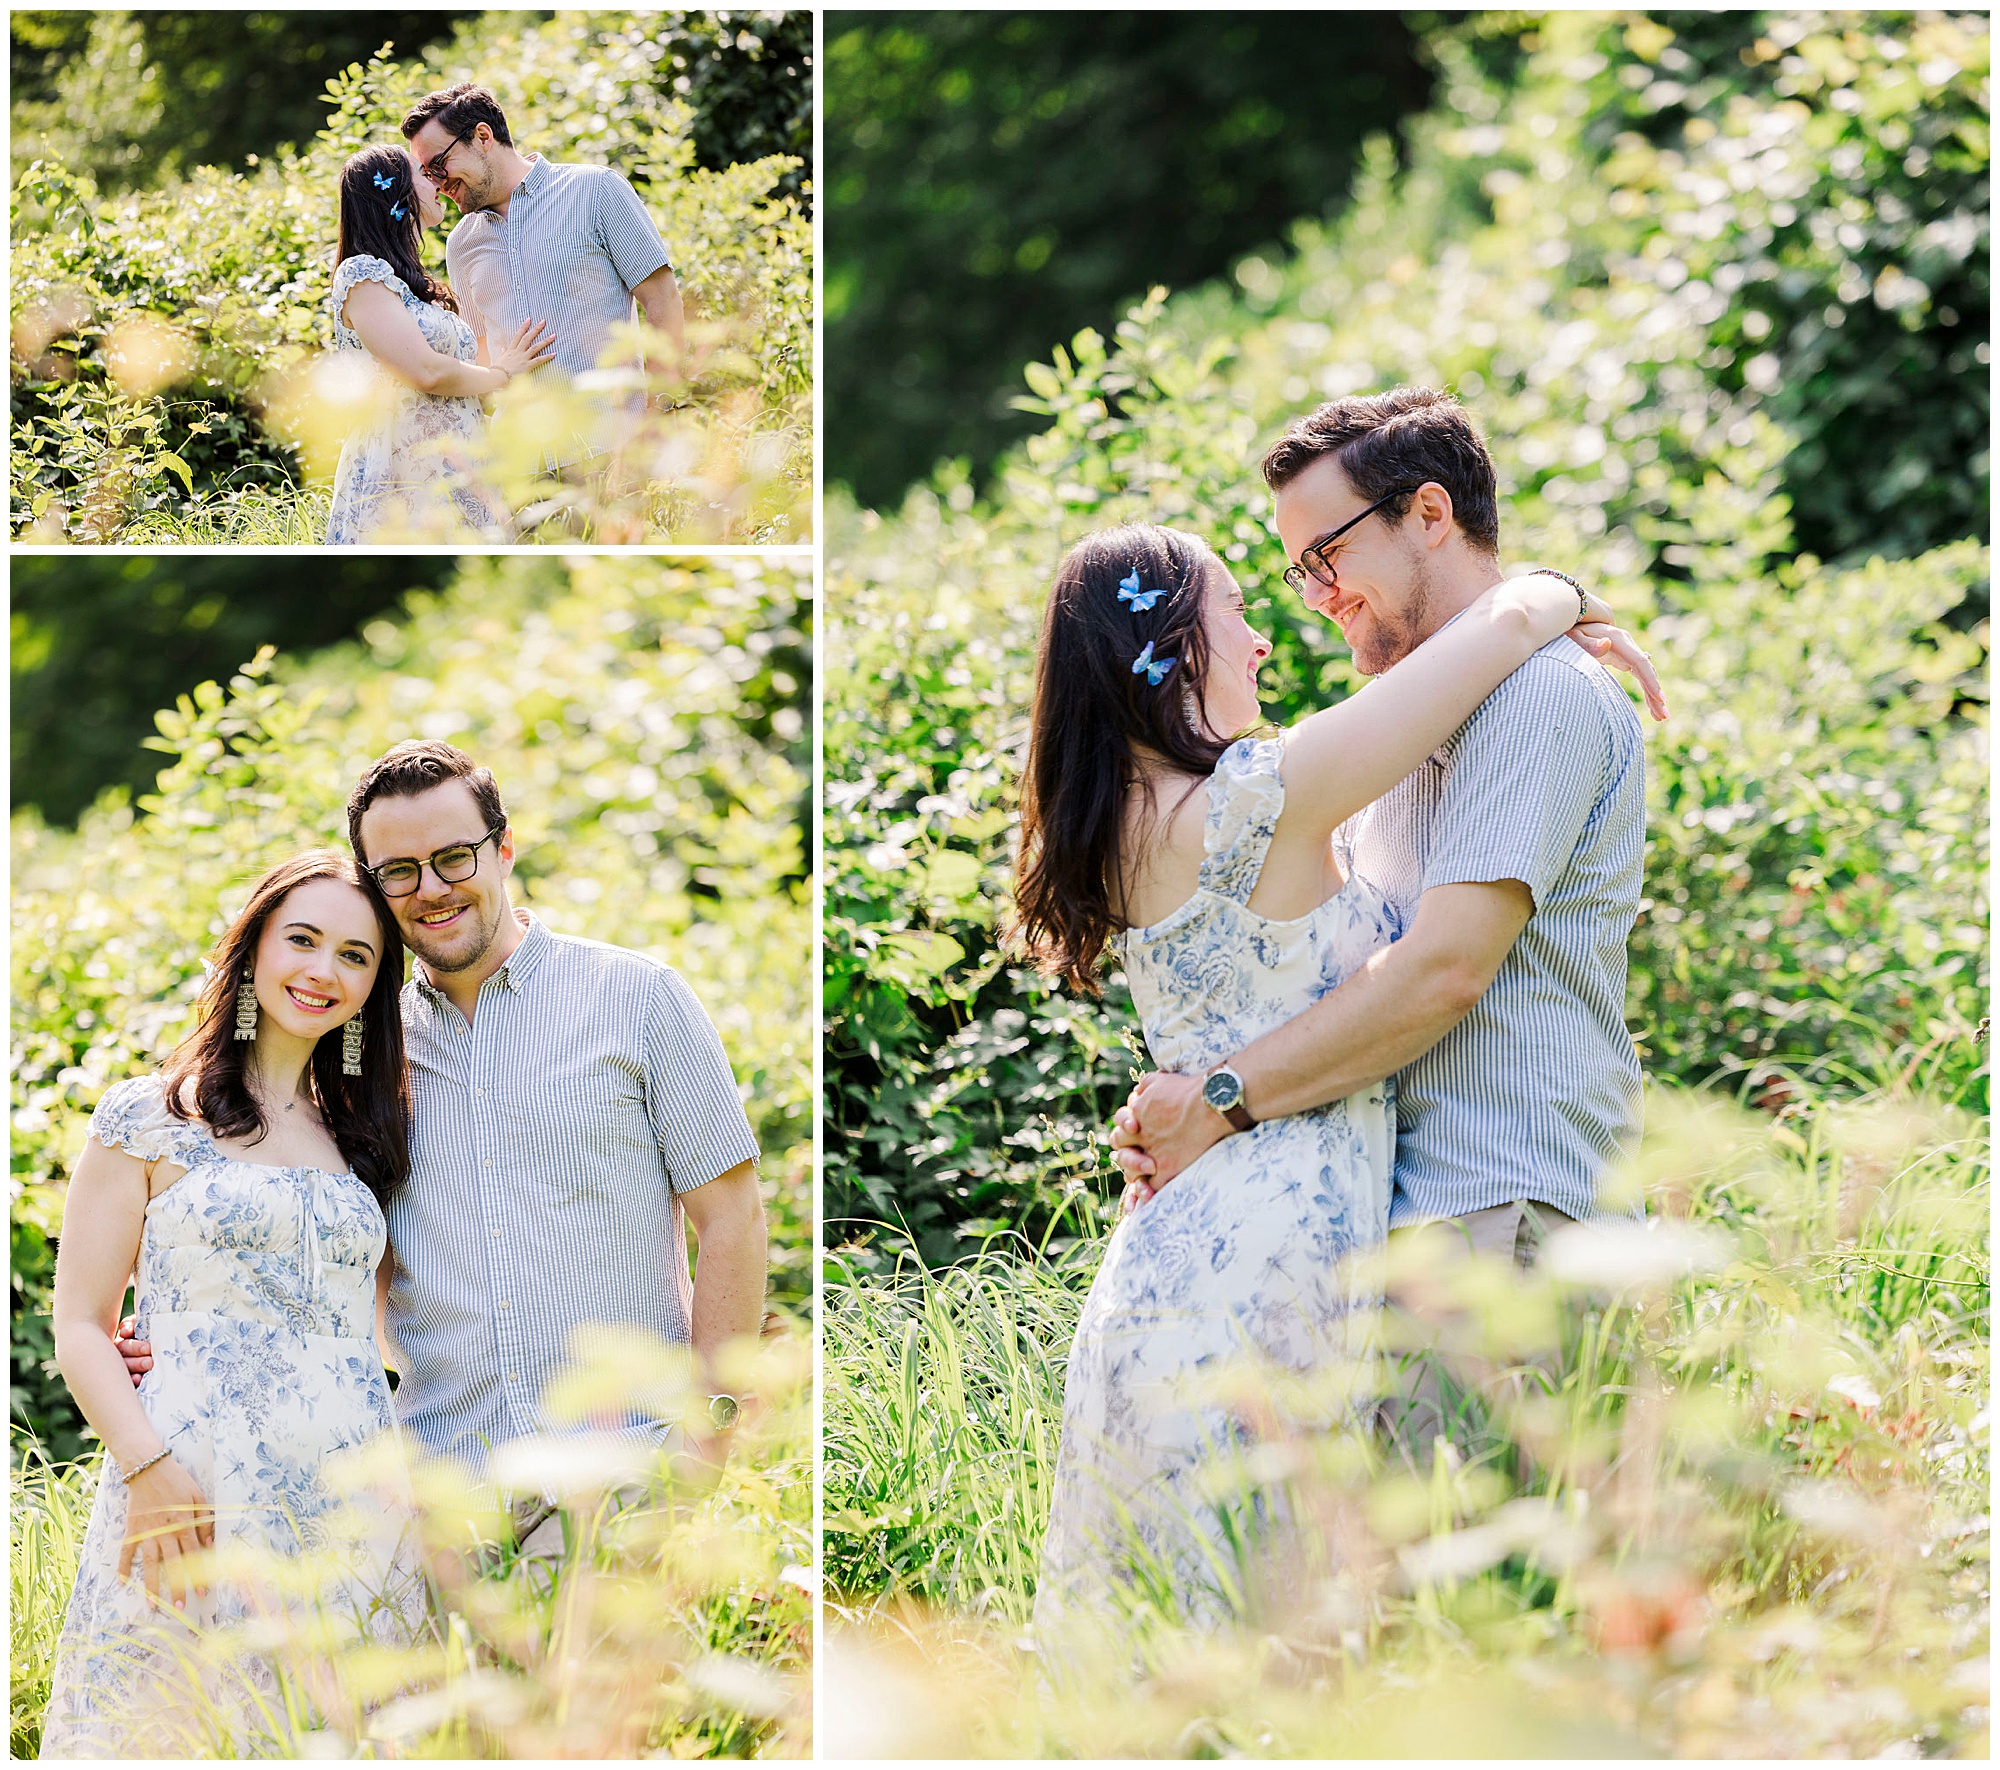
column 350, row 1047
column 246, row 1008
column 1191, row 709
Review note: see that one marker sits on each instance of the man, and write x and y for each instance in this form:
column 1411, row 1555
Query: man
column 1512, row 857
column 570, row 1104
column 569, row 245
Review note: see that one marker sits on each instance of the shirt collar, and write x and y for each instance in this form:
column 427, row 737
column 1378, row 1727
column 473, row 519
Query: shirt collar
column 535, row 177
column 520, row 965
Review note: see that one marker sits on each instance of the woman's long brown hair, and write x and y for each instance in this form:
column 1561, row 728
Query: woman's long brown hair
column 1093, row 714
column 368, row 1114
column 373, row 186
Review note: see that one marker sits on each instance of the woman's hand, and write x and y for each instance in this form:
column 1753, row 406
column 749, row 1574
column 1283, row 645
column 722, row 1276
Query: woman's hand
column 167, row 1518
column 1611, row 644
column 533, row 345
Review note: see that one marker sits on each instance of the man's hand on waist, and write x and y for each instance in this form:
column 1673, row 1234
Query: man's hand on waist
column 1163, row 1128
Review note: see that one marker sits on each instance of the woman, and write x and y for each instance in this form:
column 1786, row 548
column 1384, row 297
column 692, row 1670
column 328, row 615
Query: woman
column 413, row 473
column 1216, row 871
column 246, row 1180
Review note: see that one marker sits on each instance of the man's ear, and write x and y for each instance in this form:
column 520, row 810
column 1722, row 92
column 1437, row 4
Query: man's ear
column 1432, row 505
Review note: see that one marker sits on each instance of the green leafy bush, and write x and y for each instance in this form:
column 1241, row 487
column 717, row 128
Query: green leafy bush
column 161, row 339
column 645, row 723
column 1816, row 806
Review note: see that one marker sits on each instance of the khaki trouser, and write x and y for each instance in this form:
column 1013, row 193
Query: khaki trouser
column 1442, row 1381
column 543, row 1532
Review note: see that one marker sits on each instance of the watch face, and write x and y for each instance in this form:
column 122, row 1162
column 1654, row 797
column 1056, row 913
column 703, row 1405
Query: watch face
column 722, row 1411
column 1222, row 1090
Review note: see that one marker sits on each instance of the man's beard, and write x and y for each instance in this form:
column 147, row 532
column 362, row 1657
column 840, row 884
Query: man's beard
column 1391, row 641
column 447, row 960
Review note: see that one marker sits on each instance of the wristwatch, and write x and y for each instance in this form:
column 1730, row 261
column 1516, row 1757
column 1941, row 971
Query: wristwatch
column 1223, row 1090
column 722, row 1411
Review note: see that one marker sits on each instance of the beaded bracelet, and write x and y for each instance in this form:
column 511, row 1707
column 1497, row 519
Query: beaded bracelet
column 158, row 1456
column 1582, row 595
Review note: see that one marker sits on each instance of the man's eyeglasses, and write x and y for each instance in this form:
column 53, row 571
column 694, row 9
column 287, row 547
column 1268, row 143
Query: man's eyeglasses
column 453, row 865
column 1314, row 560
column 434, row 166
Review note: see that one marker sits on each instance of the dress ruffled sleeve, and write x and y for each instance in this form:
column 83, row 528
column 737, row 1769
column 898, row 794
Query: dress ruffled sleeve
column 1245, row 795
column 133, row 1116
column 361, row 268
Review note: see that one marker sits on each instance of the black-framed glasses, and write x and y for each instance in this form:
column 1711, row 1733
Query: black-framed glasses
column 434, row 166
column 1313, row 559
column 453, row 866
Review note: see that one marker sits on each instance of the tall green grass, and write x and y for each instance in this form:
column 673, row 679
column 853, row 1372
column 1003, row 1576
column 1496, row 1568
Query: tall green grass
column 1743, row 1515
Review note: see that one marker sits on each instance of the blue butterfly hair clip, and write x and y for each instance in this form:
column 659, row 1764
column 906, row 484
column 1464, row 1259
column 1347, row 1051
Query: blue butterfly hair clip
column 396, row 209
column 1154, row 670
column 383, row 182
column 1141, row 600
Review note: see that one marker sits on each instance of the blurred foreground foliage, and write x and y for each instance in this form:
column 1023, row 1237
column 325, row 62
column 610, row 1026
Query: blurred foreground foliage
column 165, row 342
column 647, row 724
column 1641, row 337
column 678, row 1628
column 1743, row 1514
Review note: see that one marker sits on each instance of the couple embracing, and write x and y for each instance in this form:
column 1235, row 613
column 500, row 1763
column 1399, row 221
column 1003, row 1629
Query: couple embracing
column 455, row 1173
column 545, row 261
column 1379, row 958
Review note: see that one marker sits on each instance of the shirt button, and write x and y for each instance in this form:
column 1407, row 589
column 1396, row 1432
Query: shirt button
column 513, row 1376
column 502, row 1304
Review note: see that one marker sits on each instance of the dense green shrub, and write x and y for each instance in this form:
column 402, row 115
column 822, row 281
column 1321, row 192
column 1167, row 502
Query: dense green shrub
column 1813, row 188
column 645, row 722
column 157, row 335
column 1814, row 878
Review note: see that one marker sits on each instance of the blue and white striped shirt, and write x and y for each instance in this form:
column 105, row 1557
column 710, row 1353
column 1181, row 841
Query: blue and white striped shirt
column 550, row 1140
column 573, row 245
column 1533, row 1093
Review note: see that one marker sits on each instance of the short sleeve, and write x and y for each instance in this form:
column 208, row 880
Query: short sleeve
column 133, row 1116
column 626, row 231
column 1527, row 768
column 363, row 269
column 1246, row 794
column 691, row 1096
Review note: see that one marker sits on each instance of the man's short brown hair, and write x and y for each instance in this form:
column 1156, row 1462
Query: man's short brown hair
column 1404, row 437
column 460, row 109
column 414, row 767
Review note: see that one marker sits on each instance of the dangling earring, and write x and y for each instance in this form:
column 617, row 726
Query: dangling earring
column 246, row 1008
column 1191, row 709
column 350, row 1047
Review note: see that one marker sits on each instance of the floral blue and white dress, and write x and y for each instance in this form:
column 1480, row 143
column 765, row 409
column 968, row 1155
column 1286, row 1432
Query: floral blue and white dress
column 413, row 474
column 256, row 1288
column 1243, row 1257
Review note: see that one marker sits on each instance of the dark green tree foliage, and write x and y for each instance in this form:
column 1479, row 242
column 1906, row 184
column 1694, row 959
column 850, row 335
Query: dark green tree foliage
column 749, row 77
column 99, row 643
column 203, row 88
column 997, row 180
column 210, row 88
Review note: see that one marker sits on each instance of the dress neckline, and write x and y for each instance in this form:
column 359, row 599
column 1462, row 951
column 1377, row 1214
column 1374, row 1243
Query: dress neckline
column 242, row 1161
